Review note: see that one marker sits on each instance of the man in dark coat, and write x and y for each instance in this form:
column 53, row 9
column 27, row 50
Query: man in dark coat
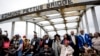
column 35, row 41
column 74, row 43
column 1, row 43
column 46, row 51
column 47, row 41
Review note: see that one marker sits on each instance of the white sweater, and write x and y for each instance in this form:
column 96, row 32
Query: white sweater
column 96, row 43
column 66, row 51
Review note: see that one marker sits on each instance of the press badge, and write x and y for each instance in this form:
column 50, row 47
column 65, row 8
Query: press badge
column 34, row 43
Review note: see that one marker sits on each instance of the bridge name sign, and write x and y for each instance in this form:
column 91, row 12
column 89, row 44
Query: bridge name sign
column 40, row 8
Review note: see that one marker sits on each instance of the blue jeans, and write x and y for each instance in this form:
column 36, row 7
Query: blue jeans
column 19, row 53
column 29, row 55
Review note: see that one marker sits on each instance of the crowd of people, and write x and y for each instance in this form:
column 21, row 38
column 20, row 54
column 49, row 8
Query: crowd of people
column 71, row 45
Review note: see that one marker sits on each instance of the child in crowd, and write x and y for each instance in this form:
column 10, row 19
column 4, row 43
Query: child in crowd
column 89, row 51
column 87, row 48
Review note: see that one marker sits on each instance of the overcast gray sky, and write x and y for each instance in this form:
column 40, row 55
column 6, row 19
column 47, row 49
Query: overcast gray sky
column 13, row 5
